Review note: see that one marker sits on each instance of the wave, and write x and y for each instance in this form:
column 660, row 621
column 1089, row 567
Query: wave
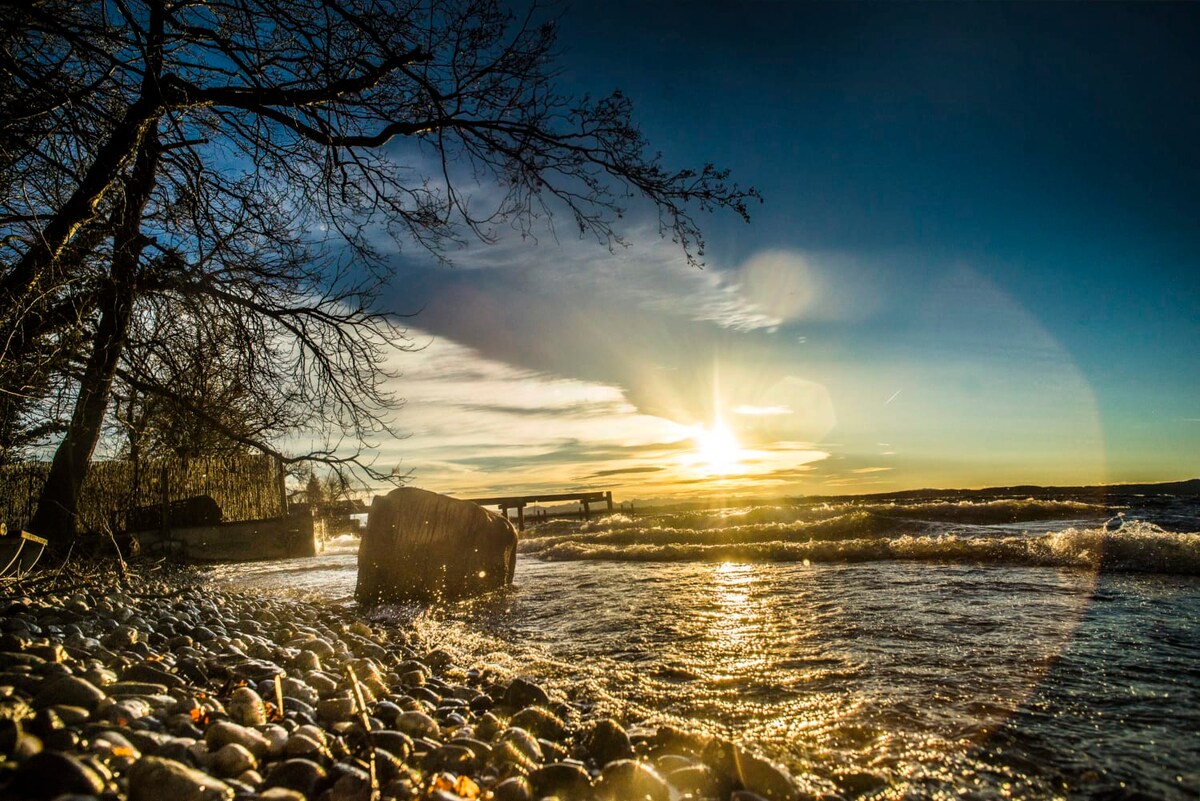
column 993, row 512
column 846, row 526
column 777, row 524
column 1136, row 547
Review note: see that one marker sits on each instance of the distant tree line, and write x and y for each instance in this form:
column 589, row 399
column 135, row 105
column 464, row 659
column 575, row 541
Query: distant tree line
column 197, row 201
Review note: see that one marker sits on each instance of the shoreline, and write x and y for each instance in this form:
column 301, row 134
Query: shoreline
column 153, row 683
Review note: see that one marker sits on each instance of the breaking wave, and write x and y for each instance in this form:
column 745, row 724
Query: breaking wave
column 1136, row 546
column 993, row 512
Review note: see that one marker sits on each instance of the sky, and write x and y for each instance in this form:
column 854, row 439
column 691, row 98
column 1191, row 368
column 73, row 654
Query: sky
column 977, row 263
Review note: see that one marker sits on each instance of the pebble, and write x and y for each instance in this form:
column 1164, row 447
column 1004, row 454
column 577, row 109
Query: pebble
column 417, row 724
column 522, row 693
column 566, row 780
column 155, row 778
column 171, row 695
column 514, row 789
column 336, row 709
column 49, row 774
column 246, row 707
column 69, row 691
column 629, row 780
column 540, row 721
column 280, row 794
column 699, row 780
column 605, row 741
column 301, row 775
column 232, row 759
column 769, row 780
column 224, row 732
column 301, row 745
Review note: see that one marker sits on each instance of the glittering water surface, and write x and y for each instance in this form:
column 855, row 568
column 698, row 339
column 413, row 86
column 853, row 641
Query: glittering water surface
column 995, row 658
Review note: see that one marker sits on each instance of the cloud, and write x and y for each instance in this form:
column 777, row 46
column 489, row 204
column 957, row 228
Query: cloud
column 761, row 411
column 627, row 471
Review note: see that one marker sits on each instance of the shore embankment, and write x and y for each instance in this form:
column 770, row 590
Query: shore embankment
column 151, row 683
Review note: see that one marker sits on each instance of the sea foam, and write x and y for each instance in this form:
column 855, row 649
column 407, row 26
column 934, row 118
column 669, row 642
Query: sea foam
column 1135, row 546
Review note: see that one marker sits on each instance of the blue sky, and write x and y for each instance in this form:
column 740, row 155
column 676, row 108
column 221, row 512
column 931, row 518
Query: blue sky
column 977, row 263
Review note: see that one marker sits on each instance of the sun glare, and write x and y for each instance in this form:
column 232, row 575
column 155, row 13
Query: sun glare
column 718, row 450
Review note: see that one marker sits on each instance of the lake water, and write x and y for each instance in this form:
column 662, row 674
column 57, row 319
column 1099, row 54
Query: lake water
column 944, row 647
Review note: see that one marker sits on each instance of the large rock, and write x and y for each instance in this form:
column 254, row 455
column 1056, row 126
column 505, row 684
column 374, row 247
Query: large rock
column 423, row 546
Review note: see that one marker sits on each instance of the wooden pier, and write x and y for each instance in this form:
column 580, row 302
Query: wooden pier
column 519, row 502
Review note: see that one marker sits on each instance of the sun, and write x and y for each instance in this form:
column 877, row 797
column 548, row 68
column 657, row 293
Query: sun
column 717, row 449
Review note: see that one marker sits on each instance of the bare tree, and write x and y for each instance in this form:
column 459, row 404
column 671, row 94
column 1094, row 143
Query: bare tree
column 241, row 158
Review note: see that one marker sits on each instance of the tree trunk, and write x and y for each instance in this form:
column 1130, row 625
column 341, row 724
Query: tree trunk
column 57, row 515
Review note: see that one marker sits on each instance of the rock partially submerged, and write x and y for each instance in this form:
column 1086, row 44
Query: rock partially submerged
column 420, row 545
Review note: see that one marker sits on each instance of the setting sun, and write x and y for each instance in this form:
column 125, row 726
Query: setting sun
column 717, row 449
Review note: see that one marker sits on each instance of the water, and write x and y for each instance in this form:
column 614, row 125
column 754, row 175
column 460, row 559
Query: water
column 925, row 648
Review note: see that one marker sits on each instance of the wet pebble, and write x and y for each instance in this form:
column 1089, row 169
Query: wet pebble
column 50, row 774
column 232, row 760
column 605, row 741
column 69, row 691
column 155, row 778
column 630, row 780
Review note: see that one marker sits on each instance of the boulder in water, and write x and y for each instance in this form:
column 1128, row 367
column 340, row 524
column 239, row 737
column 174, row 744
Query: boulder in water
column 420, row 545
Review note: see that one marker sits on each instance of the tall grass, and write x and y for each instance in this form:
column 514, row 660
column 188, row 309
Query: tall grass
column 245, row 486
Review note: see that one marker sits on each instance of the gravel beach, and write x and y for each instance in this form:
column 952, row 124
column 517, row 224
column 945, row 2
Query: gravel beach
column 153, row 684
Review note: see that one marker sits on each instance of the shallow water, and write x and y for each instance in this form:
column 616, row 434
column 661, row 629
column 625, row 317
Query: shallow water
column 993, row 669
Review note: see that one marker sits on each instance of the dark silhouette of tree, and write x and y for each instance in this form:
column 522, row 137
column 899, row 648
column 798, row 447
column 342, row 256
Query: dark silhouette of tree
column 238, row 162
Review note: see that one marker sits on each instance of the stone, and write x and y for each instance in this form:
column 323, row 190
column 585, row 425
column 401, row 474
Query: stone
column 567, row 780
column 69, row 691
column 125, row 711
column 224, row 732
column 155, row 778
column 523, row 692
column 387, row 766
column 630, row 780
column 352, row 785
column 541, row 722
column 396, row 743
column 148, row 742
column 336, row 709
column 250, row 778
column 15, row 742
column 135, row 688
column 454, row 758
column 302, row 775
column 518, row 747
column 246, row 707
column 151, row 672
column 232, row 759
column 301, row 745
column 416, row 724
column 699, row 780
column 300, row 690
column 49, row 774
column 606, row 741
column 420, row 545
column 515, row 789
column 321, row 683
column 764, row 777
column 280, row 794
column 277, row 738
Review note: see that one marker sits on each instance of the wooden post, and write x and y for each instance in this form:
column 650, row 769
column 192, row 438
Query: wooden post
column 608, row 497
column 585, row 510
column 521, row 517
